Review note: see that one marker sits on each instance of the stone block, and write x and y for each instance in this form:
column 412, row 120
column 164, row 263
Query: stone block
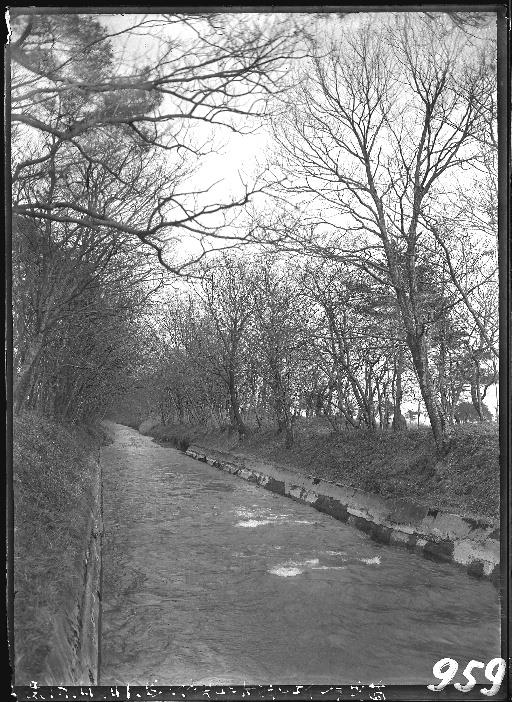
column 405, row 512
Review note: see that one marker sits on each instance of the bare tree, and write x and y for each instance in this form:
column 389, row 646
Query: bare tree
column 77, row 85
column 212, row 329
column 64, row 289
column 380, row 125
column 283, row 341
column 361, row 344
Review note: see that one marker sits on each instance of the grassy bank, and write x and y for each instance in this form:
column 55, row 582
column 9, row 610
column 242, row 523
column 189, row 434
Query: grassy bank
column 401, row 465
column 53, row 473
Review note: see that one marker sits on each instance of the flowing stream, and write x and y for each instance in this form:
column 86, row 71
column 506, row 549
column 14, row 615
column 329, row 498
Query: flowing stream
column 208, row 579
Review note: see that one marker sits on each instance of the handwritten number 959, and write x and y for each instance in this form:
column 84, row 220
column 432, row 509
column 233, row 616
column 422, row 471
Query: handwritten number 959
column 446, row 668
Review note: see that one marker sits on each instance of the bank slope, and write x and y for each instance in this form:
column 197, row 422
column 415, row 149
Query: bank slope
column 56, row 550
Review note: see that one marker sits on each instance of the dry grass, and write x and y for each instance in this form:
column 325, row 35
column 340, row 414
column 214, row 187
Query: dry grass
column 53, row 469
column 403, row 465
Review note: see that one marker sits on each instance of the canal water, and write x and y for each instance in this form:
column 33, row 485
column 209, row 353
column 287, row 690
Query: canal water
column 208, row 579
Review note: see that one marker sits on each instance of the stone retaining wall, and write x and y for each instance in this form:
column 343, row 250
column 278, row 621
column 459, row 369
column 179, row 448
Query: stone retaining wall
column 74, row 645
column 471, row 543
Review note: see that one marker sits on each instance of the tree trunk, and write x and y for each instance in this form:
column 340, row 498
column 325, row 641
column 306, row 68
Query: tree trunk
column 180, row 408
column 22, row 385
column 236, row 417
column 380, row 408
column 438, row 423
column 286, row 422
column 441, row 369
column 398, row 423
column 289, row 435
column 476, row 397
column 417, row 342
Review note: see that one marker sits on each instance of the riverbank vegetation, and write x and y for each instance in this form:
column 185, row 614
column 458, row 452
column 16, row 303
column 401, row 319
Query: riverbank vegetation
column 56, row 467
column 367, row 293
column 262, row 341
column 394, row 465
column 360, row 270
column 341, row 272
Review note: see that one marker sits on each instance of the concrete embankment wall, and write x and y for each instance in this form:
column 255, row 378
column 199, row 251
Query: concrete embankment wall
column 74, row 647
column 470, row 543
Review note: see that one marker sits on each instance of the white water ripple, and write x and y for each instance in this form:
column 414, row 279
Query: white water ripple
column 279, row 519
column 286, row 571
column 292, row 568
